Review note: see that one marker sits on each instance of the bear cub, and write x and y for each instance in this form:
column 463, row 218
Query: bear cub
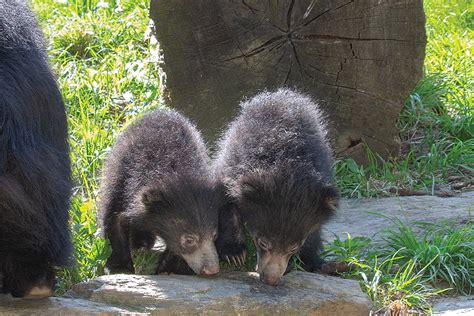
column 276, row 165
column 157, row 183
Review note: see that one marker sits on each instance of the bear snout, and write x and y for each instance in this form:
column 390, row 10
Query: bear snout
column 272, row 280
column 271, row 267
column 204, row 260
column 210, row 270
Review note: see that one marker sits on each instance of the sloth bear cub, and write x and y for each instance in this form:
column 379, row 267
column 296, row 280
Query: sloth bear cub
column 34, row 160
column 277, row 167
column 157, row 183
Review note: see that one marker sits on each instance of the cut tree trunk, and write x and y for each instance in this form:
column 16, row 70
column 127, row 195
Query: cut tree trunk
column 360, row 59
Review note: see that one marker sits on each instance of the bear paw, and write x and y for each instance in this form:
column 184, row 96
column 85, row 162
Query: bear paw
column 38, row 292
column 117, row 265
column 171, row 263
column 233, row 253
column 312, row 263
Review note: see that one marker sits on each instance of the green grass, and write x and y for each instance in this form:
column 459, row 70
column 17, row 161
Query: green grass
column 444, row 254
column 107, row 69
column 437, row 122
column 408, row 267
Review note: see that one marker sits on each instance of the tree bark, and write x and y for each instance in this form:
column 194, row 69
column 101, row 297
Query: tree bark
column 359, row 58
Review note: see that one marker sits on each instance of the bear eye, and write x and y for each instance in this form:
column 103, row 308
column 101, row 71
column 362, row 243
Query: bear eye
column 264, row 244
column 214, row 236
column 188, row 241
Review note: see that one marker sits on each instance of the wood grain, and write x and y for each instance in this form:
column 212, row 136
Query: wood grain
column 359, row 58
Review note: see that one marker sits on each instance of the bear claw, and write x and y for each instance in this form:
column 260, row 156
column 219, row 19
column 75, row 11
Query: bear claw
column 238, row 260
column 233, row 252
column 38, row 292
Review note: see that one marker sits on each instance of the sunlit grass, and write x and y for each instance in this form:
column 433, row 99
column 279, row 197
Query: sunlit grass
column 437, row 122
column 444, row 254
column 107, row 72
column 406, row 269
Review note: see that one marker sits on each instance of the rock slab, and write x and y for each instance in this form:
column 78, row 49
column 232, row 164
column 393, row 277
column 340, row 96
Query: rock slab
column 234, row 293
column 454, row 306
column 368, row 217
column 55, row 306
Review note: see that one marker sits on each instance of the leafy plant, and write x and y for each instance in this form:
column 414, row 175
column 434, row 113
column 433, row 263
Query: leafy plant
column 399, row 291
column 346, row 250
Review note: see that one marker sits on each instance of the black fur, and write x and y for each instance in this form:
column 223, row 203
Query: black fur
column 157, row 183
column 34, row 158
column 276, row 164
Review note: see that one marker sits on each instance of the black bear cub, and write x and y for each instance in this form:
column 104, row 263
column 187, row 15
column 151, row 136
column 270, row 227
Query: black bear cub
column 157, row 183
column 277, row 167
column 34, row 160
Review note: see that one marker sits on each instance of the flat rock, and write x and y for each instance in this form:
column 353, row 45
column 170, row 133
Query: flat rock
column 234, row 293
column 55, row 306
column 368, row 217
column 242, row 293
column 454, row 306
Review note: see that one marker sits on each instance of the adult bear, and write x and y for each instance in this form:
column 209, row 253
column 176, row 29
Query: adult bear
column 34, row 160
column 276, row 164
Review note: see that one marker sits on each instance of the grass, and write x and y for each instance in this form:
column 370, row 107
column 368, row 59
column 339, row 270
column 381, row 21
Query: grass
column 437, row 122
column 107, row 72
column 107, row 69
column 409, row 266
column 443, row 253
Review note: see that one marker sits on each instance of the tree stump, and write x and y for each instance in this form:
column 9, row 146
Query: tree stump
column 359, row 58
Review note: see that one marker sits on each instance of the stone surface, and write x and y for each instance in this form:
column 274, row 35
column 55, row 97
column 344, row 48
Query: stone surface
column 359, row 217
column 242, row 293
column 454, row 306
column 54, row 306
column 235, row 293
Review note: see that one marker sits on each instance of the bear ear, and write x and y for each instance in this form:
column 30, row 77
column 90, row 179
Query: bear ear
column 152, row 197
column 248, row 186
column 329, row 198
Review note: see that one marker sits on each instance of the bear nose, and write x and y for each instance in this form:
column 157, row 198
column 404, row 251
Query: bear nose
column 210, row 270
column 270, row 279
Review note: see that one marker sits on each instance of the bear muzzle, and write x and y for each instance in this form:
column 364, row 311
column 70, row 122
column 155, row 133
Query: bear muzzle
column 204, row 260
column 271, row 267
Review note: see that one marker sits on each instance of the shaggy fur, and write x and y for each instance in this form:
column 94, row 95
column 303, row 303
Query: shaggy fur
column 157, row 183
column 277, row 167
column 34, row 158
